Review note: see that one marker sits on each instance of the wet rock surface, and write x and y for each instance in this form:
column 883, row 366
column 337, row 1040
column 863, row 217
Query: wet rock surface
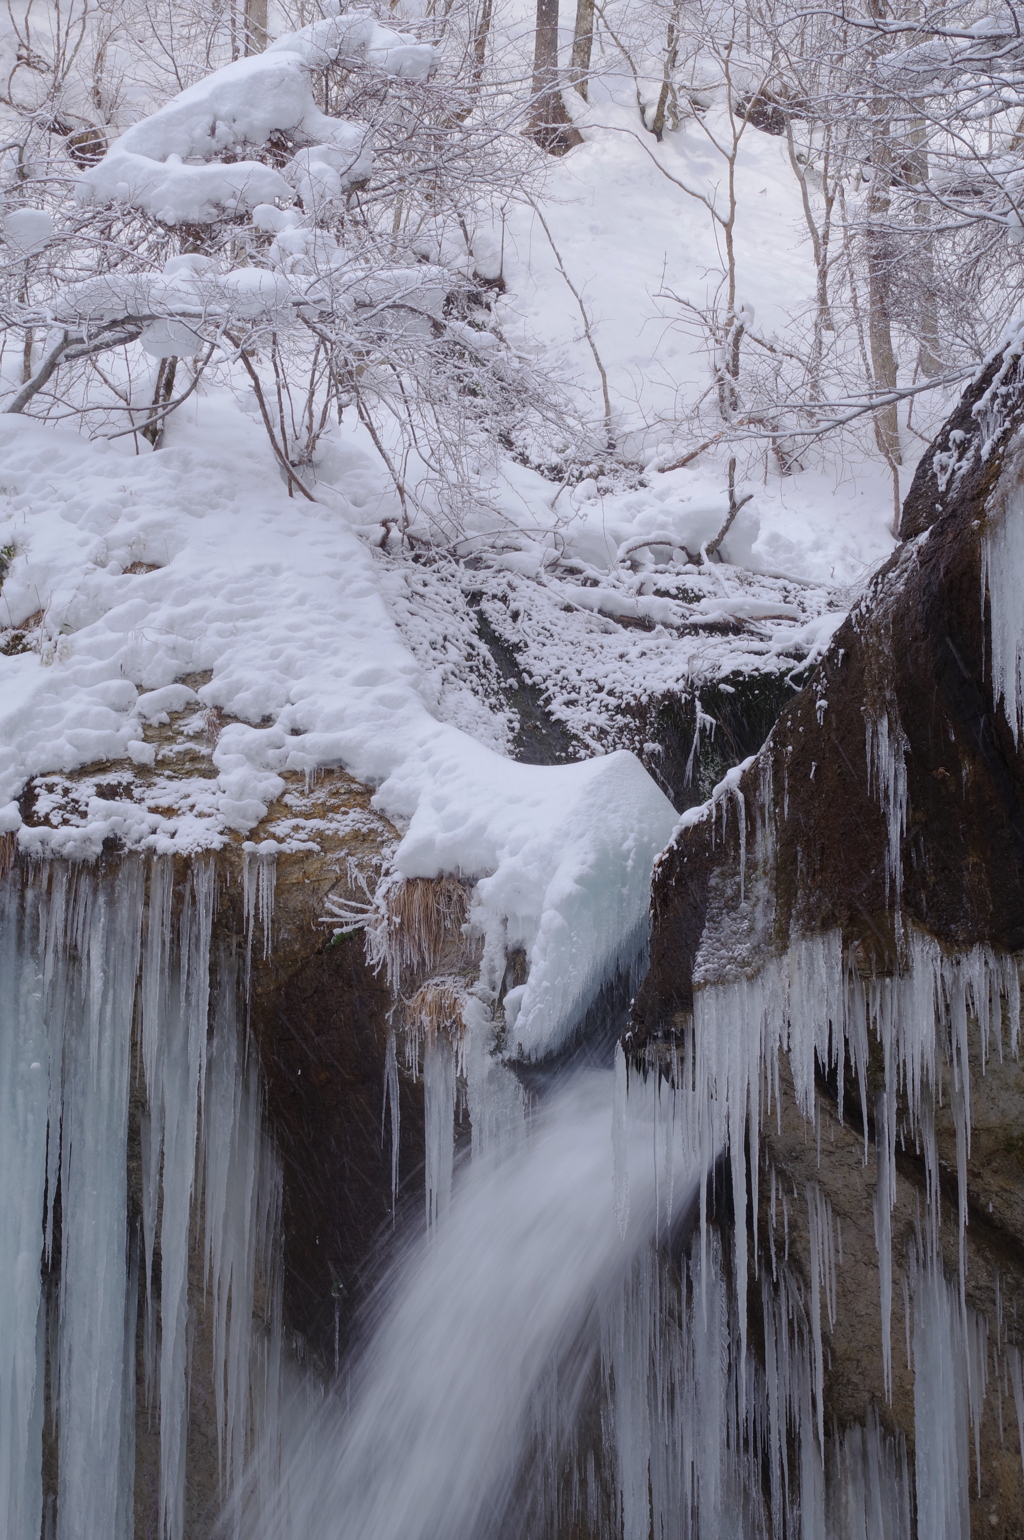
column 317, row 1013
column 887, row 803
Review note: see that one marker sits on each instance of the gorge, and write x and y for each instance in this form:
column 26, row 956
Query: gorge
column 730, row 1242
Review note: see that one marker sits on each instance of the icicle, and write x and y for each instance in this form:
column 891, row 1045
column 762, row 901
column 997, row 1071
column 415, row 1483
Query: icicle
column 940, row 1409
column 885, row 1197
column 24, row 1091
column 977, row 1374
column 702, row 723
column 495, row 1099
column 1013, row 1356
column 182, row 1060
column 241, row 1207
column 93, row 1468
column 819, row 1218
column 154, row 987
column 391, row 1104
column 259, row 880
column 1002, row 572
column 439, row 1084
column 887, row 748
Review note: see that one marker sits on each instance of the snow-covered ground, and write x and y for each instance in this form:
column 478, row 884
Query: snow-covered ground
column 280, row 601
column 323, row 644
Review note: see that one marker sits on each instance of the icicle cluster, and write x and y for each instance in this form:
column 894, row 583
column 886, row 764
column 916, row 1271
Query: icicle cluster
column 108, row 989
column 813, row 1006
column 1002, row 572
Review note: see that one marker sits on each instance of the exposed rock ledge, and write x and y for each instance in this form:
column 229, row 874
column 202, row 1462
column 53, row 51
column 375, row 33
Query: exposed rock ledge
column 875, row 844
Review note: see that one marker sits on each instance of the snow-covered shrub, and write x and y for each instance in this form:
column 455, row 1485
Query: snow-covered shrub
column 312, row 225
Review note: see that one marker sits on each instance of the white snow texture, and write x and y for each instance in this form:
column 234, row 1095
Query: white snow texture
column 280, row 600
column 163, row 164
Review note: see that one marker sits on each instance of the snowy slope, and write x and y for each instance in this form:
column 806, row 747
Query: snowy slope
column 280, row 600
column 321, row 652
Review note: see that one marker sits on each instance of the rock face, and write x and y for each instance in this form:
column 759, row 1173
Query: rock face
column 255, row 917
column 860, row 885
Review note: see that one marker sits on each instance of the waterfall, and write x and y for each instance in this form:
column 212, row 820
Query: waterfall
column 483, row 1355
column 596, row 1333
column 130, row 1116
column 566, row 1350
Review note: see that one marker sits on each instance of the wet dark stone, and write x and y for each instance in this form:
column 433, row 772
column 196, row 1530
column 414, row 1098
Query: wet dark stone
column 915, row 651
column 322, row 1033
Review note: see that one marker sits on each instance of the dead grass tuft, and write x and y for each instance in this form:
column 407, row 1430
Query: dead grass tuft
column 419, row 928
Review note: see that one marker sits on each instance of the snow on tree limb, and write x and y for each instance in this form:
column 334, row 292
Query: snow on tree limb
column 170, row 164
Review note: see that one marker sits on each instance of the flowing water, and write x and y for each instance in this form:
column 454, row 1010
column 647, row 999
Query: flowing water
column 562, row 1353
column 487, row 1343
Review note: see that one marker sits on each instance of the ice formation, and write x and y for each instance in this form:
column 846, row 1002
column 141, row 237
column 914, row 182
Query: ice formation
column 554, row 1286
column 579, row 1261
column 1002, row 567
column 89, row 956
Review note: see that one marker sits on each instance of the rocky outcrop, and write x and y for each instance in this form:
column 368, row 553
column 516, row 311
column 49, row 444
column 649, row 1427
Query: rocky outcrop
column 858, row 889
column 317, row 1011
column 288, row 975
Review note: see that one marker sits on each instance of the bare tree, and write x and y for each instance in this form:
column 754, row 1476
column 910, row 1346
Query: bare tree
column 550, row 123
column 582, row 45
column 323, row 276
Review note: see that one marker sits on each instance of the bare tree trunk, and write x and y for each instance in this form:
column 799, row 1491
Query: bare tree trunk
column 483, row 28
column 550, row 124
column 163, row 390
column 820, row 238
column 928, row 358
column 883, row 356
column 667, row 109
column 255, row 26
column 582, row 45
column 879, row 266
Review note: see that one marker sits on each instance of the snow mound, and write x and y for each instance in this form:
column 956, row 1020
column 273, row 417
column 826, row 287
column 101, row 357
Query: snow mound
column 280, row 603
column 167, row 164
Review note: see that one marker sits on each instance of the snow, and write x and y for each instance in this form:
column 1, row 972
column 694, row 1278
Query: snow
column 281, row 601
column 27, row 230
column 188, row 287
column 163, row 164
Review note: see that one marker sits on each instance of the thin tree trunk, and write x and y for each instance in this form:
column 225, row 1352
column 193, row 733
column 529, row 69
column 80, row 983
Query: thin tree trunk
column 928, row 359
column 42, row 374
column 879, row 266
column 483, row 29
column 255, row 26
column 162, row 393
column 582, row 45
column 550, row 124
column 667, row 109
column 883, row 356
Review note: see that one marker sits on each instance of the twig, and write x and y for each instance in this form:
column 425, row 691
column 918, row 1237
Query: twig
column 586, row 326
column 168, row 407
column 712, row 547
column 293, row 480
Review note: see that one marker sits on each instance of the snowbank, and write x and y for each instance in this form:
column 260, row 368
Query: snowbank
column 165, row 163
column 281, row 603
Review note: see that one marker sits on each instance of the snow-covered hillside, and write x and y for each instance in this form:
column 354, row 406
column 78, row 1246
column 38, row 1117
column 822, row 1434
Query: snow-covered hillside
column 383, row 598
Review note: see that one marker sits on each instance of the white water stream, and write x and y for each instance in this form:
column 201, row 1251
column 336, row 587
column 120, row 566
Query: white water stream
column 487, row 1342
